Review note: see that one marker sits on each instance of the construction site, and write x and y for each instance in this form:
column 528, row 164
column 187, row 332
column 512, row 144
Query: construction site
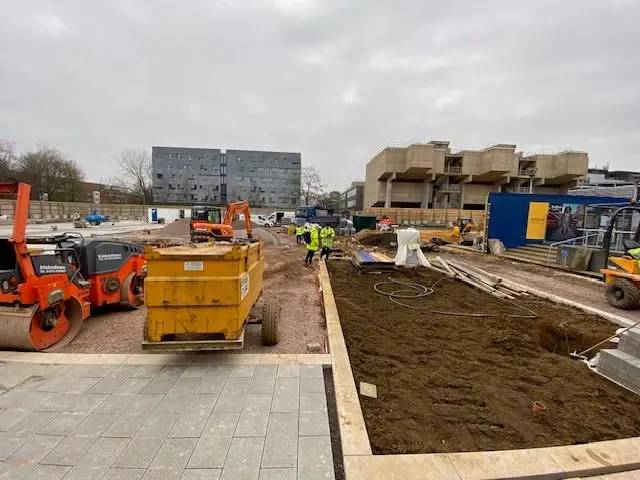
column 211, row 346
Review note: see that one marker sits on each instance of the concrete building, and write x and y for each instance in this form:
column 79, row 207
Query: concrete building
column 603, row 177
column 432, row 175
column 218, row 176
column 108, row 193
column 353, row 198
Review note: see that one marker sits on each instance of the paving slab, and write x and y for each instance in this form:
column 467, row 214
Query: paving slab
column 186, row 417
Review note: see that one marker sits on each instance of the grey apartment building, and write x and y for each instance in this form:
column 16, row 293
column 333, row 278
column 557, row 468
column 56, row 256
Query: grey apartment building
column 218, row 176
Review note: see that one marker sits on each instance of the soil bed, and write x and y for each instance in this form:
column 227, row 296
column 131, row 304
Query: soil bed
column 452, row 383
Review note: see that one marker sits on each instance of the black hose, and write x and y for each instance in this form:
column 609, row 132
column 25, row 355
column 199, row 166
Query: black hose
column 414, row 290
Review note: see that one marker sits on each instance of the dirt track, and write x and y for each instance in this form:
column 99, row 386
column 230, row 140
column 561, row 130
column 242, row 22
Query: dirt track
column 286, row 279
column 450, row 383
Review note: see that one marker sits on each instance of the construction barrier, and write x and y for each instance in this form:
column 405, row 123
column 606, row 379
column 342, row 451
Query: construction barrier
column 51, row 211
column 423, row 216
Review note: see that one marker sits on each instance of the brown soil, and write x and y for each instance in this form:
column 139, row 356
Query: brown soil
column 375, row 239
column 451, row 383
column 295, row 287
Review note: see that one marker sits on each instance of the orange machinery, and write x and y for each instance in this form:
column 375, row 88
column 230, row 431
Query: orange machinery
column 205, row 222
column 46, row 294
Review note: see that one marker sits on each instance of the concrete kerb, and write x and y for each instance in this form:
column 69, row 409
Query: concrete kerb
column 165, row 358
column 565, row 462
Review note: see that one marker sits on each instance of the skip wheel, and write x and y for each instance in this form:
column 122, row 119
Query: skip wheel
column 623, row 294
column 270, row 318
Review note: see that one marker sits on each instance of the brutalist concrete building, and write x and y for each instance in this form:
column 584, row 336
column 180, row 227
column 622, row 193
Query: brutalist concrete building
column 218, row 176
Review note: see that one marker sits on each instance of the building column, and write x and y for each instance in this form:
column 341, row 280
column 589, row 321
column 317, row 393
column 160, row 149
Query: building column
column 387, row 198
column 427, row 194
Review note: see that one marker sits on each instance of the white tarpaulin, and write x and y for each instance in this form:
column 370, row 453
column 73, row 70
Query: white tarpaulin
column 409, row 253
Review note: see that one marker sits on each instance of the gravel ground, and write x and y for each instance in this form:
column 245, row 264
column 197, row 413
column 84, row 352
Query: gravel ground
column 114, row 330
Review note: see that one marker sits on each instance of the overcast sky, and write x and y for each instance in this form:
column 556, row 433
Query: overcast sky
column 336, row 80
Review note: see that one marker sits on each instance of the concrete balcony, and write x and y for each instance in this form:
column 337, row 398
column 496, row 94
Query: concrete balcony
column 491, row 164
column 419, row 160
column 452, row 170
column 527, row 172
column 561, row 168
column 447, row 205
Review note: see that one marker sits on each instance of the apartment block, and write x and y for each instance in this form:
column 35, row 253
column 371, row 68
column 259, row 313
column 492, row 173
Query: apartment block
column 352, row 199
column 218, row 176
column 432, row 175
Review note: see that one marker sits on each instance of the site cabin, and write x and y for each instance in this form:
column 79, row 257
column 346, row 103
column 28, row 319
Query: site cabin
column 168, row 215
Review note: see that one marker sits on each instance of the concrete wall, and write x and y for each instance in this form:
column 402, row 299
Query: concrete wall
column 425, row 215
column 50, row 211
column 476, row 194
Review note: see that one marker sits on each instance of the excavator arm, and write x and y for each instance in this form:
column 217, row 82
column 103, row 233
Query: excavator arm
column 235, row 208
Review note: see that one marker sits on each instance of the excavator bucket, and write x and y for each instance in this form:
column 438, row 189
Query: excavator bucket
column 31, row 329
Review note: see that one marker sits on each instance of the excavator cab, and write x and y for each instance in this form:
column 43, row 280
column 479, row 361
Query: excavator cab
column 206, row 222
column 622, row 274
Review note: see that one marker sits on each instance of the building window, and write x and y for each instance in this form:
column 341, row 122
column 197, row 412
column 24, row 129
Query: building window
column 159, row 175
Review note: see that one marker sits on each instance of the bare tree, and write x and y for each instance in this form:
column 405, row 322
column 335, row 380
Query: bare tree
column 51, row 172
column 7, row 159
column 311, row 186
column 135, row 169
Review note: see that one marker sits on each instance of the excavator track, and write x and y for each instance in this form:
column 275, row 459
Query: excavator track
column 31, row 329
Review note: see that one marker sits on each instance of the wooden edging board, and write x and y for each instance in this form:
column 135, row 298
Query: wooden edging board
column 551, row 463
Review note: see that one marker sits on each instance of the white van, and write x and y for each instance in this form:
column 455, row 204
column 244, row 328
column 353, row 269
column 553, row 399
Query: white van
column 261, row 221
column 279, row 218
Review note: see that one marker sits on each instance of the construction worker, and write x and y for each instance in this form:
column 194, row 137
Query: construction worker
column 312, row 245
column 456, row 230
column 299, row 234
column 635, row 253
column 327, row 234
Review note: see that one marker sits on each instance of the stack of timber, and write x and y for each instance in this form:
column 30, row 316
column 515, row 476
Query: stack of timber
column 478, row 278
column 364, row 260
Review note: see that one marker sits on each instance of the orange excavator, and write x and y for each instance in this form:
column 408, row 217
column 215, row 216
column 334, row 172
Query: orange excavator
column 206, row 224
column 46, row 293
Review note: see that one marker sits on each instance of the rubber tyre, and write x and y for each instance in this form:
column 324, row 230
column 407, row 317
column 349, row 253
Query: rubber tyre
column 623, row 294
column 270, row 319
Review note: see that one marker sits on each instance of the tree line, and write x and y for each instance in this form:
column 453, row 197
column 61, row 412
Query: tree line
column 56, row 176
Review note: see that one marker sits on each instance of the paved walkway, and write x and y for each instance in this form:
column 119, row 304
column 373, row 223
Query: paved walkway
column 203, row 420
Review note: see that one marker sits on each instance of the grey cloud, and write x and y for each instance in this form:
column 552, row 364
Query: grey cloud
column 335, row 79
